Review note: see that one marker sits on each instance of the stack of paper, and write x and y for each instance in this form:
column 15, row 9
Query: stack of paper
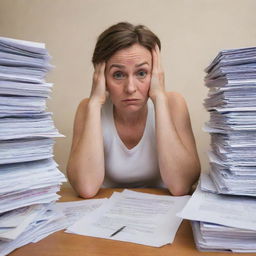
column 37, row 223
column 231, row 79
column 29, row 175
column 222, row 222
column 134, row 217
column 223, row 207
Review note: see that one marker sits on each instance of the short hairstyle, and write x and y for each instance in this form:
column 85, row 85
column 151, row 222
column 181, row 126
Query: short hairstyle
column 120, row 36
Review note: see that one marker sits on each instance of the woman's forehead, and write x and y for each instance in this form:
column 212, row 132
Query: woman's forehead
column 134, row 55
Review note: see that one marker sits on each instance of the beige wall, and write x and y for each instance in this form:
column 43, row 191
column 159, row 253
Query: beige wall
column 192, row 33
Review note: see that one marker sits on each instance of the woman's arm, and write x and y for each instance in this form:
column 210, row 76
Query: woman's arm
column 177, row 155
column 85, row 167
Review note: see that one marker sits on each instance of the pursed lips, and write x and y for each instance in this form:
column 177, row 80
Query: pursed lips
column 130, row 100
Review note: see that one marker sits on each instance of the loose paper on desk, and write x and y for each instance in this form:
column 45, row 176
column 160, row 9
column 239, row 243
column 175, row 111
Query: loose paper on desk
column 148, row 219
column 237, row 212
column 13, row 223
column 206, row 183
column 76, row 210
column 47, row 221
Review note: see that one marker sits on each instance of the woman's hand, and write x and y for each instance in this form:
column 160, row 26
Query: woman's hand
column 99, row 92
column 157, row 87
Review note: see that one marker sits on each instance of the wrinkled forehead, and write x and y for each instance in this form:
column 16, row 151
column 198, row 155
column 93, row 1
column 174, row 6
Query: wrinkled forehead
column 131, row 56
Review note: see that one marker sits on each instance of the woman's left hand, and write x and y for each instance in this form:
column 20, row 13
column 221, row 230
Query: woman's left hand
column 157, row 87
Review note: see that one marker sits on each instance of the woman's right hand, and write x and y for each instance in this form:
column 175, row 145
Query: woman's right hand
column 99, row 92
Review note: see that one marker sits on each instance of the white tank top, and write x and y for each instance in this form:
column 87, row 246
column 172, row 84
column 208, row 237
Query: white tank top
column 136, row 167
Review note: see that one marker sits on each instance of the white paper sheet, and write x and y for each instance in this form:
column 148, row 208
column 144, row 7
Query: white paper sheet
column 43, row 225
column 74, row 211
column 148, row 219
column 232, row 211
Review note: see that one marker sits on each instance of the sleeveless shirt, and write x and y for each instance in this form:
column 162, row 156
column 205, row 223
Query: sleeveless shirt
column 135, row 167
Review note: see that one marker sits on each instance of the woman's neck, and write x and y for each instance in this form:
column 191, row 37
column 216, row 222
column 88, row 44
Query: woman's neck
column 130, row 118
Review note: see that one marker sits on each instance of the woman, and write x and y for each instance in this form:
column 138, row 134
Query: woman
column 131, row 132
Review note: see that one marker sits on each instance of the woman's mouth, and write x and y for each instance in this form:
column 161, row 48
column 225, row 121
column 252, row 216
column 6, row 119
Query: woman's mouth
column 130, row 100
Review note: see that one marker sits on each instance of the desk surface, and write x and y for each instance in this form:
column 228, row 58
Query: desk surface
column 61, row 244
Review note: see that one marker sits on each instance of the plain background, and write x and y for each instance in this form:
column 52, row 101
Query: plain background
column 192, row 33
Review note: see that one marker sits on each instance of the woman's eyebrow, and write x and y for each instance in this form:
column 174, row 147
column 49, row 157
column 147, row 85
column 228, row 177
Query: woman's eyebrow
column 116, row 66
column 123, row 66
column 141, row 64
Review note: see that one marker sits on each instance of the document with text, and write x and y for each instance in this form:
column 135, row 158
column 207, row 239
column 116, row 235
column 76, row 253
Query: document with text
column 237, row 212
column 134, row 217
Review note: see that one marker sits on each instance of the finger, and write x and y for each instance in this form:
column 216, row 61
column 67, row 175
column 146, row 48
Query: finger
column 102, row 69
column 96, row 67
column 158, row 57
column 96, row 72
column 154, row 61
column 99, row 71
column 107, row 93
column 157, row 48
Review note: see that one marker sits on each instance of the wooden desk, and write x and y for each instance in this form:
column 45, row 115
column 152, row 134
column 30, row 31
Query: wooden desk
column 61, row 244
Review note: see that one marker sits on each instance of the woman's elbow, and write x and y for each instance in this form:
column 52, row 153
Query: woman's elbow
column 179, row 190
column 87, row 192
column 182, row 187
column 83, row 189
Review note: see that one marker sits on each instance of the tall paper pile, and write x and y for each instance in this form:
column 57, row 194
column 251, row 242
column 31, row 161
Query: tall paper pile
column 223, row 206
column 29, row 176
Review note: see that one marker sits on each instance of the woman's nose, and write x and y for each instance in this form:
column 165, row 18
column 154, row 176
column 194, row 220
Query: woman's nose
column 130, row 85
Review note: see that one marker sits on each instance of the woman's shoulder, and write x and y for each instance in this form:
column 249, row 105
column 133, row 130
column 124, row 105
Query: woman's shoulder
column 81, row 109
column 175, row 99
column 174, row 95
column 178, row 108
column 83, row 103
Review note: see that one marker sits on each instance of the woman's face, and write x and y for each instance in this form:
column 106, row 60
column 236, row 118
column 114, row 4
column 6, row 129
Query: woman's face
column 128, row 76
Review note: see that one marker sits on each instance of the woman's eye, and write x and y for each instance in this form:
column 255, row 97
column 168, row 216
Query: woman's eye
column 141, row 74
column 118, row 75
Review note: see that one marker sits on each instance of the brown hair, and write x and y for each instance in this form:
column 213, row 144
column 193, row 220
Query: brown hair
column 120, row 36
